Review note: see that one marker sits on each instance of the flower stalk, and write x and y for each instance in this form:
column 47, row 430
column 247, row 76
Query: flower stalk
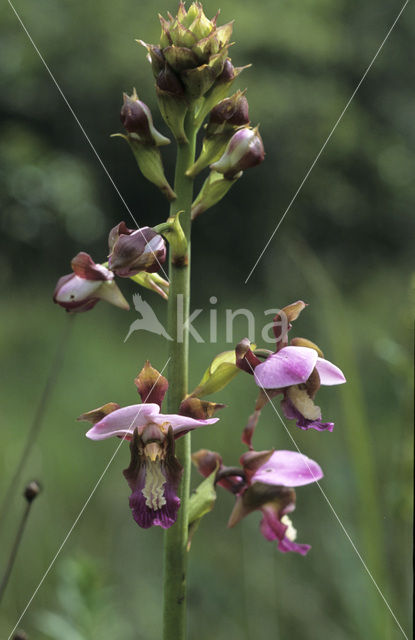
column 30, row 493
column 175, row 542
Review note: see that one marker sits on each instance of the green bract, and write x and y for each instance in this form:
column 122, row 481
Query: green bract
column 221, row 371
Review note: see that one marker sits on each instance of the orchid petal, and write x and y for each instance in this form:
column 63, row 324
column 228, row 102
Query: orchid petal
column 290, row 365
column 289, row 469
column 183, row 423
column 329, row 373
column 122, row 422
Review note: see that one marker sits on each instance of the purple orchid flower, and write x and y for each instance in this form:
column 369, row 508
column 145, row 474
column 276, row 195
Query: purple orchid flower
column 133, row 251
column 298, row 372
column 88, row 284
column 265, row 483
column 154, row 472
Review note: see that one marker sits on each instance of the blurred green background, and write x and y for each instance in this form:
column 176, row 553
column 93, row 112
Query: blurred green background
column 345, row 247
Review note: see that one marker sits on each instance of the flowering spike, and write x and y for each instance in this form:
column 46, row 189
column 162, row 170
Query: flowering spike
column 196, row 49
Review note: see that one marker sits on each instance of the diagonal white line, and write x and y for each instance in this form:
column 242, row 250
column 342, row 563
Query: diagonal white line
column 78, row 517
column 325, row 143
column 98, row 157
column 334, row 513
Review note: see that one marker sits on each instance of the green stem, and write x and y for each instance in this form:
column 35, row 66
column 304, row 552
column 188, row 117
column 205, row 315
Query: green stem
column 14, row 550
column 175, row 554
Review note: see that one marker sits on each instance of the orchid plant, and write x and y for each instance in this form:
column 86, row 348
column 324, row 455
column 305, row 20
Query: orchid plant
column 193, row 77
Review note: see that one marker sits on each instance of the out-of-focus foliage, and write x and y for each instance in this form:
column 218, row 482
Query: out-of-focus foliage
column 345, row 247
column 85, row 607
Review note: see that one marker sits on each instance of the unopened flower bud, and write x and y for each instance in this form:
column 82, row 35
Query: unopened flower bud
column 206, row 461
column 135, row 251
column 31, row 491
column 245, row 150
column 172, row 102
column 154, row 56
column 137, row 120
column 90, row 282
column 230, row 111
column 219, row 90
column 228, row 73
column 225, row 118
